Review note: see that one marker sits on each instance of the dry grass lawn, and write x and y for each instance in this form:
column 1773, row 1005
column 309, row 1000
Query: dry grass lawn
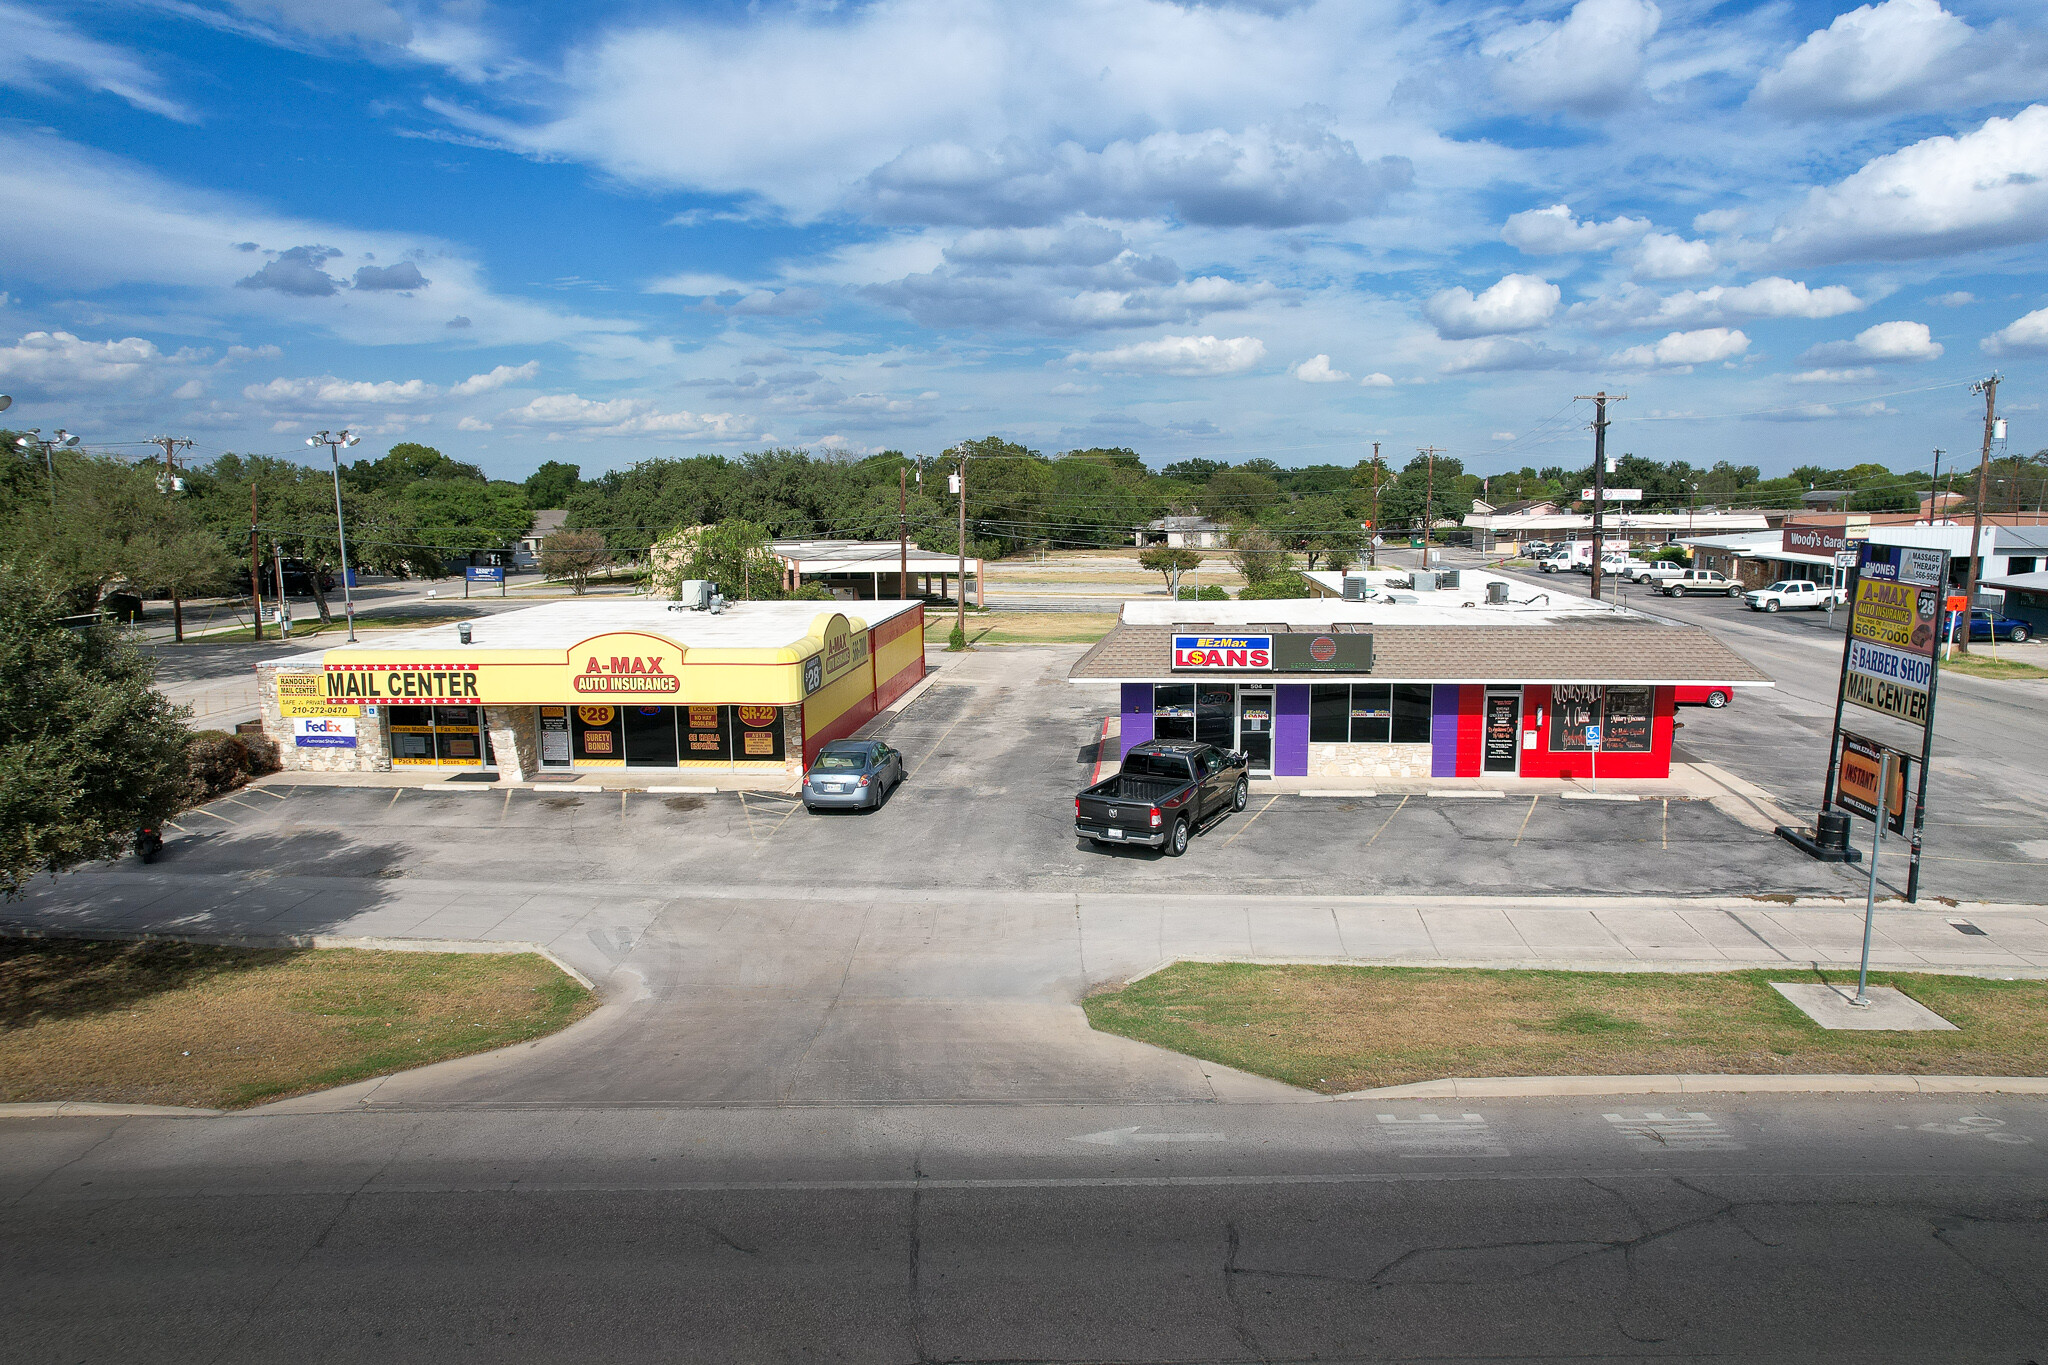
column 1337, row 1029
column 219, row 1028
column 1985, row 665
column 1024, row 627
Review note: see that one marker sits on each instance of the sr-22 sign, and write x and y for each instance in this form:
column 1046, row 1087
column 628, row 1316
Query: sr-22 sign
column 1222, row 651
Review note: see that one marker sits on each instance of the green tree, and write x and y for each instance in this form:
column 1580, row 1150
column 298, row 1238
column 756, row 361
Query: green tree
column 1170, row 561
column 113, row 522
column 88, row 749
column 574, row 556
column 406, row 463
column 1239, row 495
column 552, row 483
column 1258, row 556
column 734, row 554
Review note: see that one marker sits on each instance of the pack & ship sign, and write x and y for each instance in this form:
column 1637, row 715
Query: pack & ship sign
column 1222, row 651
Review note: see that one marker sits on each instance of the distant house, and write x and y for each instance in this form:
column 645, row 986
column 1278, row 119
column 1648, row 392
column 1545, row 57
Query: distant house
column 1527, row 507
column 1826, row 499
column 1185, row 533
column 1935, row 506
column 544, row 525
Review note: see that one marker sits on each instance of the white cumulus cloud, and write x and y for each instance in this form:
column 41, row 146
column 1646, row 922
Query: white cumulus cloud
column 59, row 363
column 1854, row 375
column 1886, row 341
column 1204, row 355
column 1316, row 370
column 1376, row 380
column 1508, row 353
column 1588, row 64
column 1555, row 231
column 1665, row 256
column 1901, row 54
column 2029, row 334
column 1939, row 196
column 1516, row 303
column 327, row 391
column 1702, row 347
column 1774, row 296
column 498, row 378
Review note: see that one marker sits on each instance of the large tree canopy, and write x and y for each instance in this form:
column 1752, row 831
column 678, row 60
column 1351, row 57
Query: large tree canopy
column 88, row 750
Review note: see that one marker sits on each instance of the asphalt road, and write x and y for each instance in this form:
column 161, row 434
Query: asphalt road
column 1781, row 1229
column 1986, row 800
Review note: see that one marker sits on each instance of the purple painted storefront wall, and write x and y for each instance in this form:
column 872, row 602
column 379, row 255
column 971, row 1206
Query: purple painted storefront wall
column 1137, row 716
column 1443, row 730
column 1290, row 730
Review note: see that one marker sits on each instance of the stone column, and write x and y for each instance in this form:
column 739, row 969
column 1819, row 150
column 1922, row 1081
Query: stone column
column 515, row 740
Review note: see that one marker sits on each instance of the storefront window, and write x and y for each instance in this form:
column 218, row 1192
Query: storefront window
column 598, row 736
column 1624, row 715
column 1173, row 711
column 757, row 734
column 455, row 734
column 1411, row 712
column 1329, row 713
column 447, row 736
column 412, row 734
column 650, row 736
column 1216, row 714
column 705, row 738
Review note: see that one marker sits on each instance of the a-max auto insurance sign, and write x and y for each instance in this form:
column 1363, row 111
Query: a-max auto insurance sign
column 1222, row 651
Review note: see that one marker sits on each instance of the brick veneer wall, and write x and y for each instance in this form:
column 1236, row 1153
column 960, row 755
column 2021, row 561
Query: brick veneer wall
column 371, row 754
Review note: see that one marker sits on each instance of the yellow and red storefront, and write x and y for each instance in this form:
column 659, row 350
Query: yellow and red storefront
column 758, row 688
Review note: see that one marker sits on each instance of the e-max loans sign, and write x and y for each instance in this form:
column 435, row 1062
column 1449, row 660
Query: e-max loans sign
column 1222, row 652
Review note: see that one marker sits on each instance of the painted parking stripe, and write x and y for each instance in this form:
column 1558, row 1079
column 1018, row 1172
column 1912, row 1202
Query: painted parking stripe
column 1433, row 1135
column 1656, row 1131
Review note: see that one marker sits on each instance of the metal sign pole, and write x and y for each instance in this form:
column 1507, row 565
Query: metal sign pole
column 1884, row 803
column 1926, row 754
column 1827, row 788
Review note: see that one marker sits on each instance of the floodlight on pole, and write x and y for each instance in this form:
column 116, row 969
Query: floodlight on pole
column 335, row 441
column 63, row 440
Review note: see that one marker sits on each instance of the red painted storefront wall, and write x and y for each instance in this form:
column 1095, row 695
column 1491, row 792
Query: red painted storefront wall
column 1540, row 762
column 1471, row 728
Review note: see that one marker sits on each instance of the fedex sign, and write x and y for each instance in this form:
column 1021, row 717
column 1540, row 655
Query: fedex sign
column 1222, row 652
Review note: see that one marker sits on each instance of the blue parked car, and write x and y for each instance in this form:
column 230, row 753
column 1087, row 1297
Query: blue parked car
column 1986, row 625
column 853, row 774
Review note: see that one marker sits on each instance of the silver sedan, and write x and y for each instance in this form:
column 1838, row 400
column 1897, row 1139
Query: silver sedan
column 854, row 774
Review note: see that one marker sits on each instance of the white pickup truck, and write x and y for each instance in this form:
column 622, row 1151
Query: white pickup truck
column 1657, row 572
column 1788, row 594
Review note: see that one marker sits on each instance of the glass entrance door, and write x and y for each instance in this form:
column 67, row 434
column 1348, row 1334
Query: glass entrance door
column 650, row 736
column 1501, row 743
column 1255, row 729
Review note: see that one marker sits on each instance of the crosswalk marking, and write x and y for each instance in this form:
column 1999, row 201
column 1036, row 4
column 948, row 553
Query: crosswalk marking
column 1655, row 1131
column 1432, row 1135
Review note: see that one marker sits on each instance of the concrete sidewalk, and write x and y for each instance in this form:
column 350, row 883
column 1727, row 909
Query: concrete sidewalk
column 830, row 995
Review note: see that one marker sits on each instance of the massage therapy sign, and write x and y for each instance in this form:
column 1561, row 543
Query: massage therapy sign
column 1222, row 652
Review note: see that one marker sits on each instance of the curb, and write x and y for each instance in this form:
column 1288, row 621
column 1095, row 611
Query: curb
column 84, row 1109
column 496, row 947
column 1616, row 966
column 1511, row 1087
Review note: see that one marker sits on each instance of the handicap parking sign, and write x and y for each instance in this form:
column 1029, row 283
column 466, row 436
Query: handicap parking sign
column 1592, row 736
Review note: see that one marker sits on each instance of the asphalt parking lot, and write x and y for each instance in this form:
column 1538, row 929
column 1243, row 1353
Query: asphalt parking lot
column 995, row 750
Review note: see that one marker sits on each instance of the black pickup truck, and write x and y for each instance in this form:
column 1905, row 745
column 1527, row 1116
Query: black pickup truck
column 1163, row 795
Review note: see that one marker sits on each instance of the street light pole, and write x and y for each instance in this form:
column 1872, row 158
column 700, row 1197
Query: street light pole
column 334, row 441
column 63, row 440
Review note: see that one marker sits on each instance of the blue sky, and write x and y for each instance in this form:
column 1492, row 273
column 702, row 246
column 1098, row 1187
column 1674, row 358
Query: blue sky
column 1790, row 232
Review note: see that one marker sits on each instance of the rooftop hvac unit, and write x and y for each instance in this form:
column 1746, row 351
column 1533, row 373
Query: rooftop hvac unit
column 1447, row 579
column 1423, row 580
column 695, row 593
column 1357, row 588
column 1496, row 594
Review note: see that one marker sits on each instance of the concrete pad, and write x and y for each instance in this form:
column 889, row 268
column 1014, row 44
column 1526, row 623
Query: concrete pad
column 1889, row 1010
column 1560, row 933
column 1378, row 933
column 1601, row 796
column 1454, row 794
column 1363, row 791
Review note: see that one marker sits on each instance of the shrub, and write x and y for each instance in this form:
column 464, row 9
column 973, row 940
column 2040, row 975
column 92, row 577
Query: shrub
column 218, row 761
column 957, row 640
column 1208, row 592
column 263, row 755
column 1280, row 586
column 813, row 592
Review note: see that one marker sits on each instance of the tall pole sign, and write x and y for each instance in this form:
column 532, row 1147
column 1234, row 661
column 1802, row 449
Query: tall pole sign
column 1890, row 666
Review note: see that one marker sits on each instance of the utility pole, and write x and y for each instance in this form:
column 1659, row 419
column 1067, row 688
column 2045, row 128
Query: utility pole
column 1428, row 499
column 960, row 596
column 1600, row 401
column 1372, row 557
column 171, row 445
column 903, row 533
column 1934, row 484
column 1989, row 388
column 255, row 572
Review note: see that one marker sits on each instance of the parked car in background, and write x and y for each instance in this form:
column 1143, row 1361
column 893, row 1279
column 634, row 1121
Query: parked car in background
column 1713, row 695
column 1536, row 549
column 1691, row 581
column 853, row 774
column 1621, row 566
column 1163, row 795
column 1793, row 594
column 1556, row 561
column 1986, row 624
column 1657, row 571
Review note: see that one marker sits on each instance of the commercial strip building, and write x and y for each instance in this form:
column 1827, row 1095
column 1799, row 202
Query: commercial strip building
column 870, row 569
column 1520, row 523
column 1806, row 549
column 1441, row 684
column 579, row 686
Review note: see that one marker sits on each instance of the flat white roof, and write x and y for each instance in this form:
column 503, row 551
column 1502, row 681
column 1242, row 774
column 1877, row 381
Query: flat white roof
column 559, row 625
column 861, row 556
column 1464, row 605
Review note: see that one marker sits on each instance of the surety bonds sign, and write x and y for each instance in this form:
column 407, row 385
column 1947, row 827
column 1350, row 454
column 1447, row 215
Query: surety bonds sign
column 1222, row 651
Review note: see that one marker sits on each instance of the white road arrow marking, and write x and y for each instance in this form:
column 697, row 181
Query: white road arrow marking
column 1124, row 1137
